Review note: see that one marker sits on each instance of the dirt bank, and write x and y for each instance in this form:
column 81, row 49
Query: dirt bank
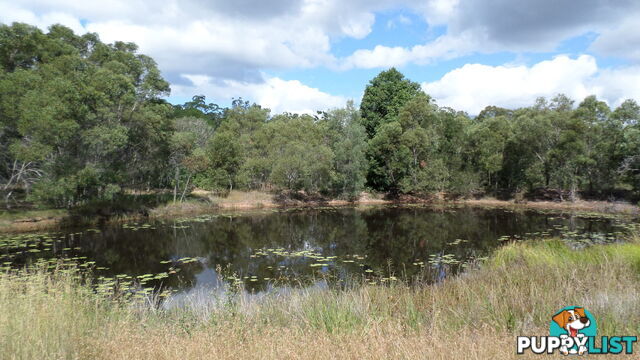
column 203, row 202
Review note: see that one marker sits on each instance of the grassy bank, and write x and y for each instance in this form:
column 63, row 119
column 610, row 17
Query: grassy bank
column 472, row 316
column 31, row 220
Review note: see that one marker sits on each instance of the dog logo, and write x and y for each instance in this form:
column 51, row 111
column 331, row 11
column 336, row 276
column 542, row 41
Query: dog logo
column 572, row 331
column 576, row 323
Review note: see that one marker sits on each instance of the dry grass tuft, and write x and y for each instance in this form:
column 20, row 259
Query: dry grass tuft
column 191, row 207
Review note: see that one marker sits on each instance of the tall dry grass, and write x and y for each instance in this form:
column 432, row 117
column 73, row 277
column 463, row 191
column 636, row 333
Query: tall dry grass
column 476, row 315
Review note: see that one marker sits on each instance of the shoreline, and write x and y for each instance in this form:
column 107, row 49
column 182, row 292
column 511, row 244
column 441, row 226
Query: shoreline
column 244, row 202
column 595, row 206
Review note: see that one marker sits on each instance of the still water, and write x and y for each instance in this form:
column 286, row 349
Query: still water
column 274, row 248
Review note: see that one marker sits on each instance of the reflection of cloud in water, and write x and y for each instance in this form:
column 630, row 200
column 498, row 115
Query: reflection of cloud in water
column 208, row 278
column 210, row 293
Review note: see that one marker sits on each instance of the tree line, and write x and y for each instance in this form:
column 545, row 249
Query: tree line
column 81, row 120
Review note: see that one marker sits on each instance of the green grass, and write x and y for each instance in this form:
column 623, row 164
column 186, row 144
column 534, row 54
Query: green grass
column 555, row 253
column 57, row 315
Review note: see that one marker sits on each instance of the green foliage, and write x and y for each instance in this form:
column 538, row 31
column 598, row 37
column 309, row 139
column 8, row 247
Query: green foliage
column 225, row 155
column 86, row 113
column 383, row 98
column 82, row 121
column 629, row 114
column 553, row 145
column 347, row 137
column 489, row 138
column 427, row 172
column 424, row 151
column 198, row 108
column 298, row 157
column 390, row 159
column 85, row 185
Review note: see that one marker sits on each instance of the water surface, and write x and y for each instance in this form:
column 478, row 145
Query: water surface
column 274, row 248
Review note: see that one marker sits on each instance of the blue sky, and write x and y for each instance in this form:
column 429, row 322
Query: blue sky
column 308, row 55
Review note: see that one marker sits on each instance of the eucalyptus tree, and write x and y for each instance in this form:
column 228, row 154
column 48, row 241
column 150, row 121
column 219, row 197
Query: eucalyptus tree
column 87, row 115
column 297, row 155
column 421, row 135
column 601, row 140
column 198, row 107
column 628, row 113
column 344, row 134
column 490, row 135
column 188, row 157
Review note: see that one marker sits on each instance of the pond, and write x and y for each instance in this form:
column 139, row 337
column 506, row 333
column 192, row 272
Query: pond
column 269, row 249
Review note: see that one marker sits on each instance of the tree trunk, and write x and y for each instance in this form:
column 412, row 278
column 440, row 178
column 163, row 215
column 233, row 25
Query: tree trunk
column 175, row 185
column 186, row 186
column 572, row 192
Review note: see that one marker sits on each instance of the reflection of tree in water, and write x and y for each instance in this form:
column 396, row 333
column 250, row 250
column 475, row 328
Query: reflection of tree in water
column 125, row 251
column 393, row 237
column 232, row 241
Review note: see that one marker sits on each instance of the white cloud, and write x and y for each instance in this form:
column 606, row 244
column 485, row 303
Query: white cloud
column 437, row 12
column 274, row 93
column 219, row 43
column 209, row 47
column 399, row 20
column 10, row 13
column 219, row 38
column 619, row 84
column 622, row 39
column 228, row 39
column 444, row 47
column 474, row 86
column 487, row 26
column 237, row 39
column 231, row 43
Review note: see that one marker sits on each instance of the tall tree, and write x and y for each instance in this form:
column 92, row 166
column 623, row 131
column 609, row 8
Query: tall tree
column 427, row 171
column 389, row 158
column 600, row 142
column 198, row 107
column 383, row 98
column 347, row 138
column 628, row 113
column 85, row 114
